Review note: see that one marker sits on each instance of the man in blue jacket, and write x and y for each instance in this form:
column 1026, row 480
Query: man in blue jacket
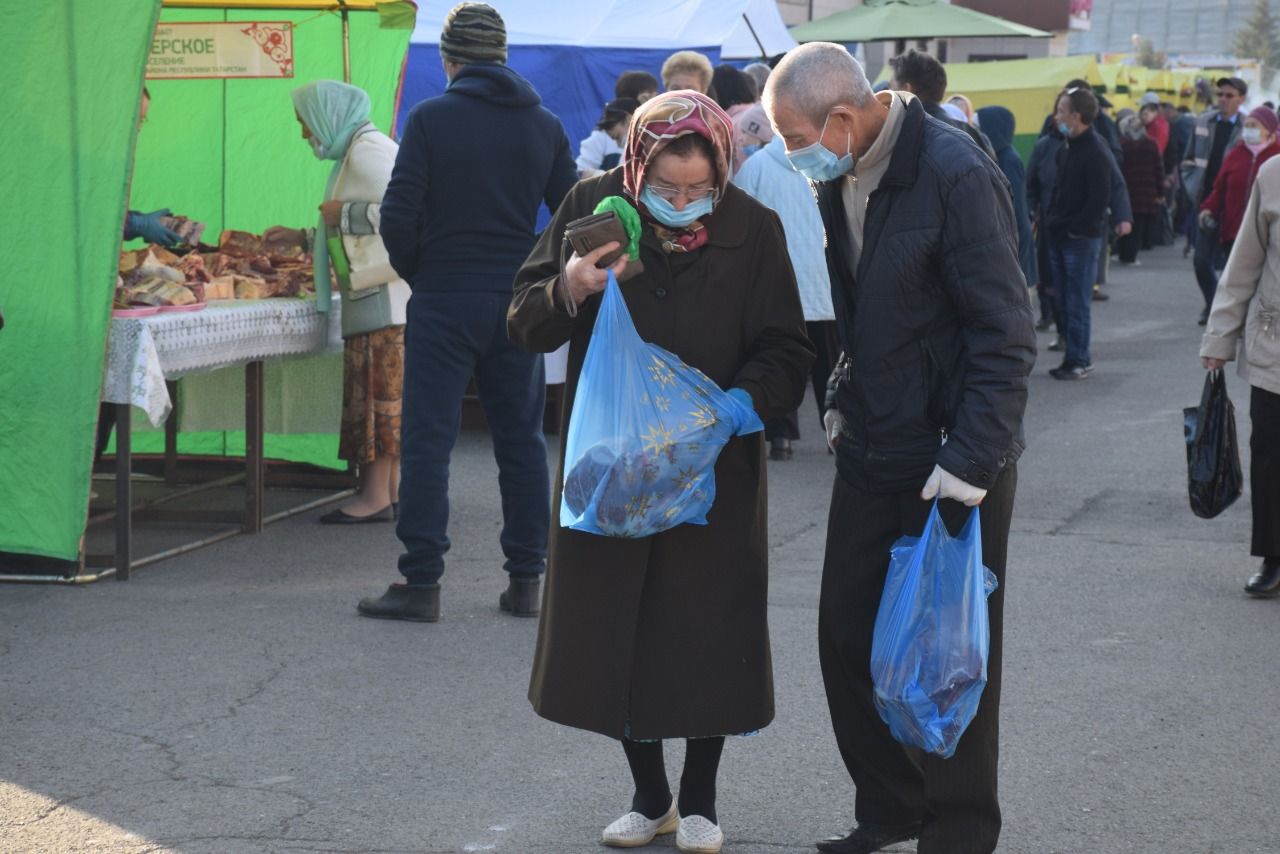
column 475, row 165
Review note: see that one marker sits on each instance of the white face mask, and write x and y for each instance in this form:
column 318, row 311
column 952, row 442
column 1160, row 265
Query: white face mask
column 1252, row 136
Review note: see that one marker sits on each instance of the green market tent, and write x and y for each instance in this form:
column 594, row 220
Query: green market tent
column 227, row 152
column 888, row 20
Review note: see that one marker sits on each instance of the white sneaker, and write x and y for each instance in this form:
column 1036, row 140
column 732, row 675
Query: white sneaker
column 697, row 835
column 634, row 830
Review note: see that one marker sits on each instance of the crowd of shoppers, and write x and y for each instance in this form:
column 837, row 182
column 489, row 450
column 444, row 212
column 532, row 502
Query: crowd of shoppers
column 782, row 215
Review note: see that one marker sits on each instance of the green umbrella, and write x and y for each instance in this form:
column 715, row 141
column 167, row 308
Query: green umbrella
column 888, row 20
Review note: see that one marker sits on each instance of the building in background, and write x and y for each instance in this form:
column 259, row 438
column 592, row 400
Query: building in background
column 1177, row 27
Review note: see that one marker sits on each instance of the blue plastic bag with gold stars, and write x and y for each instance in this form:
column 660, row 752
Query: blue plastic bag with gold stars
column 644, row 433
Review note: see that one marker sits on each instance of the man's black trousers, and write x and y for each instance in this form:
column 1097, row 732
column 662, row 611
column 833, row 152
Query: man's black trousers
column 954, row 798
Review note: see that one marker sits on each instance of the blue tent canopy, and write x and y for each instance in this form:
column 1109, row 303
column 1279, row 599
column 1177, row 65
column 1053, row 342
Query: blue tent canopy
column 572, row 51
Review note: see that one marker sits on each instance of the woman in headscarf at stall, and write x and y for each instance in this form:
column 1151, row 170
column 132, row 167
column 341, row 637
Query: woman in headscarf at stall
column 998, row 124
column 335, row 121
column 666, row 636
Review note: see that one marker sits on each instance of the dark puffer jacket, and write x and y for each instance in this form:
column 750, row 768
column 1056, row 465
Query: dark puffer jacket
column 935, row 324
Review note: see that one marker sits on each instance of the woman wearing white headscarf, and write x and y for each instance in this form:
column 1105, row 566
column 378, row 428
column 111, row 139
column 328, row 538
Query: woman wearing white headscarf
column 335, row 121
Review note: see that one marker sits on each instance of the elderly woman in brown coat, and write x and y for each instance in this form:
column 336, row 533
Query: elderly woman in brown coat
column 666, row 636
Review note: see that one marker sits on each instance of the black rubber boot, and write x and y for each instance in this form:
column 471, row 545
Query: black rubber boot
column 419, row 603
column 523, row 597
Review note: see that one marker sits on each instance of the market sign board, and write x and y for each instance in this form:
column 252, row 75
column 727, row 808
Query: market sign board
column 199, row 50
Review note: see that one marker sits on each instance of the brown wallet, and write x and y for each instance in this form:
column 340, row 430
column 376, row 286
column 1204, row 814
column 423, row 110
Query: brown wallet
column 589, row 233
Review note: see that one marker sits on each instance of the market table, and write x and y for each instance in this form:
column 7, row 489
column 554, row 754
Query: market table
column 146, row 354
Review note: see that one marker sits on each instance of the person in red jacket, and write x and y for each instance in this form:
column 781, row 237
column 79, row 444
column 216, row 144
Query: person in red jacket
column 1143, row 171
column 1157, row 126
column 1226, row 203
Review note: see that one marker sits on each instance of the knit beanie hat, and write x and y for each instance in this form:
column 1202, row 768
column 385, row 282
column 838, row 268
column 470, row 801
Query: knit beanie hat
column 473, row 32
column 1266, row 117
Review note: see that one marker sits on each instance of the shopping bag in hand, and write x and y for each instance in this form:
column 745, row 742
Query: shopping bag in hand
column 1214, row 477
column 932, row 636
column 644, row 433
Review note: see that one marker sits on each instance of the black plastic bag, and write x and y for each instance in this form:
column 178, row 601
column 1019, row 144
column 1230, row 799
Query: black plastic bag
column 1214, row 477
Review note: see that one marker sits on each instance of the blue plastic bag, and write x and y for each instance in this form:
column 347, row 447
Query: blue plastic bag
column 644, row 433
column 932, row 636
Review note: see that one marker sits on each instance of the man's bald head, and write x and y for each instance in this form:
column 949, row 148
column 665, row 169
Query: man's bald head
column 815, row 77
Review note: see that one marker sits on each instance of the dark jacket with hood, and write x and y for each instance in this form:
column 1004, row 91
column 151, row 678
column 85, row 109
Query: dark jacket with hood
column 998, row 124
column 934, row 320
column 979, row 138
column 1082, row 189
column 475, row 165
column 1042, row 177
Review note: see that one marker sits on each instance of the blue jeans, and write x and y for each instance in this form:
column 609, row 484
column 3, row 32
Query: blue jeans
column 1074, row 263
column 1211, row 256
column 451, row 337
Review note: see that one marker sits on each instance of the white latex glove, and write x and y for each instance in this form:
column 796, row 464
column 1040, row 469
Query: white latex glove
column 834, row 422
column 944, row 484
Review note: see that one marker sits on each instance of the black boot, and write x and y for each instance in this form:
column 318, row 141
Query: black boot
column 419, row 603
column 1266, row 581
column 523, row 596
column 867, row 838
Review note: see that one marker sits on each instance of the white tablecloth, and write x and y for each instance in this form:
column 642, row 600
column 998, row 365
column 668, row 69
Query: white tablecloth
column 143, row 352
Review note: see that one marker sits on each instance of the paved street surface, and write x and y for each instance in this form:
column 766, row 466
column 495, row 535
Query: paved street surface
column 230, row 700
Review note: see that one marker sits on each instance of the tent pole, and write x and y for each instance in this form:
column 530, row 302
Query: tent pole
column 759, row 44
column 346, row 45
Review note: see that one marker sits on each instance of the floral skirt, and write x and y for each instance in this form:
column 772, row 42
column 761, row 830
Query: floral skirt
column 372, row 378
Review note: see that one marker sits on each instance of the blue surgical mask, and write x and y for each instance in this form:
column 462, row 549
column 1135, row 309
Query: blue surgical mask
column 748, row 150
column 666, row 213
column 817, row 162
column 1064, row 129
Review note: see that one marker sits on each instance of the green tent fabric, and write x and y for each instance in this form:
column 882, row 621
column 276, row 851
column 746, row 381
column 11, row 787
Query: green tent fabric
column 227, row 152
column 887, row 20
column 230, row 154
column 74, row 82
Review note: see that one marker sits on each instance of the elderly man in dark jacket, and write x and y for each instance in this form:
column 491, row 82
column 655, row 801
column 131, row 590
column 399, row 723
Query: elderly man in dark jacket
column 932, row 314
column 475, row 165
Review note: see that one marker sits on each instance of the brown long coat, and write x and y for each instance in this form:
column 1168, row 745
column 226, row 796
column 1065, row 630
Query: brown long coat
column 666, row 636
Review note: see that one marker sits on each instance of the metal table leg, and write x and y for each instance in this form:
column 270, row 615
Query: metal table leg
column 254, row 480
column 124, row 490
column 171, row 437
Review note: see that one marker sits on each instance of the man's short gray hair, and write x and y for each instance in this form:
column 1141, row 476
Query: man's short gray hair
column 815, row 77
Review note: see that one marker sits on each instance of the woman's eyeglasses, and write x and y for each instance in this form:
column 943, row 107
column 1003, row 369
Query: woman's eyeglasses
column 693, row 194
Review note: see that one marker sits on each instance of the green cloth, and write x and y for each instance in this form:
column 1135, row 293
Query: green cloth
column 224, row 152
column 73, row 88
column 630, row 218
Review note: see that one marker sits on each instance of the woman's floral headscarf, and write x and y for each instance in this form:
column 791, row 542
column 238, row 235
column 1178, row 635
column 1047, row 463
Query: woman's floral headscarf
column 660, row 121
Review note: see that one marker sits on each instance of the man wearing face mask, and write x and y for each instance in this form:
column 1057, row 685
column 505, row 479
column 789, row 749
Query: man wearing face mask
column 474, row 166
column 1077, row 225
column 932, row 315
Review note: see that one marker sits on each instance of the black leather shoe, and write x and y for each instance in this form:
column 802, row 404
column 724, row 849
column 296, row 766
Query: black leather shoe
column 780, row 449
column 1057, row 345
column 1204, row 318
column 868, row 838
column 338, row 517
column 418, row 603
column 1098, row 295
column 1045, row 324
column 1265, row 582
column 522, row 598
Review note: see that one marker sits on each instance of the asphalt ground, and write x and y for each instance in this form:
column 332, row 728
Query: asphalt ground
column 231, row 700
